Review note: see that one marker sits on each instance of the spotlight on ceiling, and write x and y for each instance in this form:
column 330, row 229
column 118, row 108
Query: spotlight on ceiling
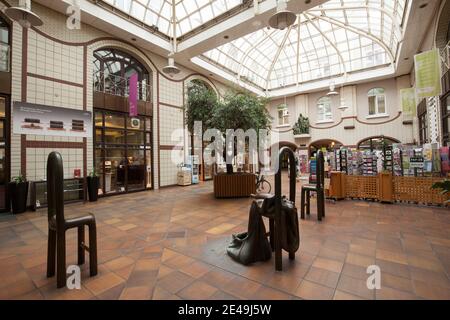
column 171, row 69
column 23, row 15
column 283, row 18
column 332, row 92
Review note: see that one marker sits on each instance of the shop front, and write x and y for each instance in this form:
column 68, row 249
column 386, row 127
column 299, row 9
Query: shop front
column 122, row 142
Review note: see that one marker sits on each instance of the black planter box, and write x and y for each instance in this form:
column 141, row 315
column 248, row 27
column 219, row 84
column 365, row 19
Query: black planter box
column 93, row 183
column 18, row 193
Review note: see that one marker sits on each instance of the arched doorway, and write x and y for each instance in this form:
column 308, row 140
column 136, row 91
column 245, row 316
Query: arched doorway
column 196, row 145
column 327, row 144
column 5, row 94
column 123, row 144
column 285, row 160
column 376, row 143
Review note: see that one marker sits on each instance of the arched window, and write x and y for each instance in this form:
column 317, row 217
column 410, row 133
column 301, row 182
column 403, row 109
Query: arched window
column 324, row 109
column 377, row 101
column 112, row 68
column 283, row 114
column 4, row 46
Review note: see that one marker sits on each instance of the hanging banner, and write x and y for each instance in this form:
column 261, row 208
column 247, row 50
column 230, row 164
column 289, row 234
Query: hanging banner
column 428, row 74
column 133, row 83
column 30, row 118
column 408, row 98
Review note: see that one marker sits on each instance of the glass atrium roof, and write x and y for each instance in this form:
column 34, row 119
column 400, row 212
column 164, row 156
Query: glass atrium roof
column 333, row 39
column 190, row 14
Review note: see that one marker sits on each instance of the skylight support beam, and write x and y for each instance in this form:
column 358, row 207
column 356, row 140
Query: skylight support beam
column 358, row 31
column 330, row 42
column 365, row 7
column 297, row 75
column 277, row 55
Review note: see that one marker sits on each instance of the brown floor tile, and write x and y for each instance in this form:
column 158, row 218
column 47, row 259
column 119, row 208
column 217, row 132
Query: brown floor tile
column 175, row 281
column 323, row 277
column 392, row 256
column 386, row 293
column 341, row 295
column 101, row 283
column 198, row 290
column 428, row 291
column 313, row 291
column 355, row 286
column 359, row 260
column 328, row 264
column 136, row 293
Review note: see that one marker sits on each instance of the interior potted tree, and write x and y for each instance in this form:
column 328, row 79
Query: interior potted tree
column 93, row 183
column 301, row 127
column 18, row 190
column 238, row 110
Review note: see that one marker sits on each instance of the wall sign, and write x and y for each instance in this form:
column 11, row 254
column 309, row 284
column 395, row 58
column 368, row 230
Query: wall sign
column 30, row 118
column 428, row 74
column 408, row 98
column 416, row 162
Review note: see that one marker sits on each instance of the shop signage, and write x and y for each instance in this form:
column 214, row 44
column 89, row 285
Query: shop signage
column 428, row 74
column 416, row 162
column 133, row 82
column 30, row 118
column 408, row 98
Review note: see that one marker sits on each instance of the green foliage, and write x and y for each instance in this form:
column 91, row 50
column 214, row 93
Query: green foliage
column 19, row 179
column 301, row 126
column 444, row 186
column 241, row 110
column 201, row 104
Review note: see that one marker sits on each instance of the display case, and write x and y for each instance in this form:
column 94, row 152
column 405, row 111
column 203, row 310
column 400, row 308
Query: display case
column 73, row 192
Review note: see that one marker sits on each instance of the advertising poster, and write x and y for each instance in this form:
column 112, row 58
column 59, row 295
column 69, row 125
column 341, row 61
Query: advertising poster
column 408, row 98
column 428, row 74
column 30, row 118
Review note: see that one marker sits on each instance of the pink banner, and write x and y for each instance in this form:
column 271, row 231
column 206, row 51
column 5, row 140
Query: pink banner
column 133, row 83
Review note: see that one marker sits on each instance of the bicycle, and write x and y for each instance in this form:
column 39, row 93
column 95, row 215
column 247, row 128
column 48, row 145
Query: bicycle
column 262, row 185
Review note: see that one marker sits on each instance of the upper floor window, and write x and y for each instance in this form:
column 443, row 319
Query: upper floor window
column 4, row 46
column 324, row 109
column 112, row 69
column 377, row 101
column 283, row 114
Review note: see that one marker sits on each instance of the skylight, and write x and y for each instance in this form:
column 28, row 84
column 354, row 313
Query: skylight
column 190, row 14
column 334, row 39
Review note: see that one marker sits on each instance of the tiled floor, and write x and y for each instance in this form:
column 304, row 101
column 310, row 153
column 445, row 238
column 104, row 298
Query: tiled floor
column 170, row 244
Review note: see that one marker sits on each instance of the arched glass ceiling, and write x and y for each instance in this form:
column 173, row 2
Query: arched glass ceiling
column 333, row 39
column 190, row 14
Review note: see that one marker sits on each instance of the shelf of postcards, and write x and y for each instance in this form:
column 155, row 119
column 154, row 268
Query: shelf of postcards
column 402, row 160
column 398, row 173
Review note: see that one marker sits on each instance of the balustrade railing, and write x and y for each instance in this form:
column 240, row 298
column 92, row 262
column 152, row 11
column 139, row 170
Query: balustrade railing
column 120, row 86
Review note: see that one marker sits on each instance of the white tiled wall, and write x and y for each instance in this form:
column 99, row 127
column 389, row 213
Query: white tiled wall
column 171, row 125
column 53, row 59
column 170, row 92
column 54, row 93
column 168, row 167
column 37, row 162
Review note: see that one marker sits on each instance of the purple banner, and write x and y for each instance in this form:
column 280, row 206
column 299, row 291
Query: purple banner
column 133, row 82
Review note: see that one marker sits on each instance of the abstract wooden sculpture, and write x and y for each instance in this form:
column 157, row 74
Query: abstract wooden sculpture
column 58, row 225
column 318, row 188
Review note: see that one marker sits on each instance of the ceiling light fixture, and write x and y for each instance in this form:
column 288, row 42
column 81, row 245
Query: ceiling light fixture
column 283, row 18
column 171, row 69
column 23, row 15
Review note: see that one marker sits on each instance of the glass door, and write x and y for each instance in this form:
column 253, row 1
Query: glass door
column 4, row 168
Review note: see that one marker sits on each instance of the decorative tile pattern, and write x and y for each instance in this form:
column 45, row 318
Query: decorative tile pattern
column 171, row 244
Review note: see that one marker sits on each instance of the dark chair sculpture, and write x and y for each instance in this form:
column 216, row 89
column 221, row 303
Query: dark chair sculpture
column 252, row 246
column 58, row 225
column 318, row 188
